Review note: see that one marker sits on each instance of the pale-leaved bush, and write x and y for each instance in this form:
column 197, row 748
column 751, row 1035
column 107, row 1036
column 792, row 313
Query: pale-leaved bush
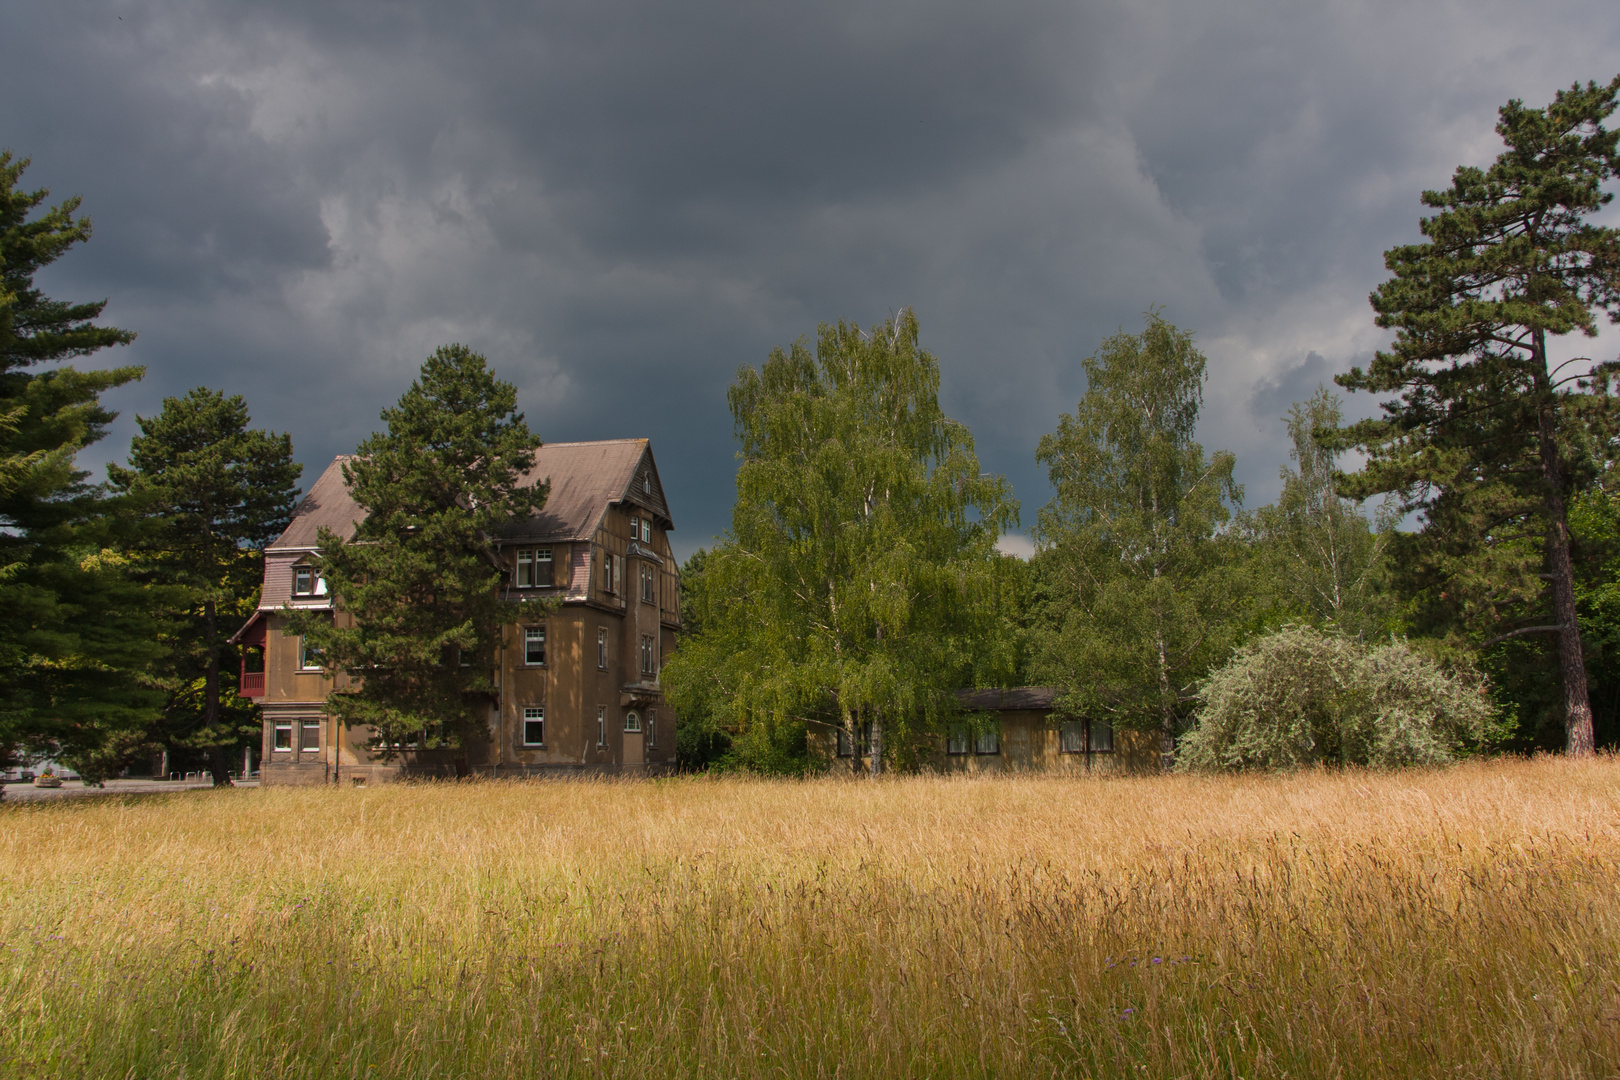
column 1302, row 696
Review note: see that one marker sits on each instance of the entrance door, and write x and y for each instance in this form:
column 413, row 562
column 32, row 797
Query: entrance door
column 632, row 739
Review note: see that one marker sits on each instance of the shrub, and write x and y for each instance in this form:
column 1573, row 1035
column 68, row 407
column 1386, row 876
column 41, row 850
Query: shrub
column 1301, row 696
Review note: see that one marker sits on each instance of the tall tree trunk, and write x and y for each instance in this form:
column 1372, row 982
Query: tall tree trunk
column 218, row 764
column 876, row 746
column 1167, row 715
column 1578, row 737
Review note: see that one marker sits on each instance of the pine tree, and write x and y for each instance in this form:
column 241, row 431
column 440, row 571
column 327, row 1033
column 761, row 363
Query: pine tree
column 72, row 660
column 1485, row 439
column 210, row 493
column 858, row 585
column 418, row 585
column 1141, row 588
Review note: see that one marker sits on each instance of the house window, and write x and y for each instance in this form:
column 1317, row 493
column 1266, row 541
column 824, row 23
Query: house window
column 534, row 726
column 601, row 648
column 1072, row 737
column 534, row 645
column 533, row 568
column 635, row 527
column 601, row 725
column 309, row 657
column 646, row 530
column 1102, row 737
column 283, row 737
column 303, row 581
column 956, row 740
column 612, row 573
column 309, row 739
column 649, row 654
column 652, row 728
column 632, row 722
column 648, row 585
column 844, row 747
column 988, row 742
column 646, row 483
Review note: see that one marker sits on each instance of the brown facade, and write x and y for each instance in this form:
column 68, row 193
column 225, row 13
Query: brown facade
column 1023, row 735
column 578, row 690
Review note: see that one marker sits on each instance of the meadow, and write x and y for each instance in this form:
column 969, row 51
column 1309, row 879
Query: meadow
column 1458, row 922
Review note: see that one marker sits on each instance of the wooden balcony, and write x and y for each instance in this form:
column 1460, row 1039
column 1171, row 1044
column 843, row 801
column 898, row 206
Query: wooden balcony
column 251, row 684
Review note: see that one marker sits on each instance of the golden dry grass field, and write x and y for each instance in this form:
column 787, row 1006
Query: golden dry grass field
column 1463, row 922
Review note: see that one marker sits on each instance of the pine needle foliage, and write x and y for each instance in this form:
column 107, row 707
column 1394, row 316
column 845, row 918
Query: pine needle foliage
column 418, row 587
column 1489, row 435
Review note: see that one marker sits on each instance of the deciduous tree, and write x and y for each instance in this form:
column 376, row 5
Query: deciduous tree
column 859, row 583
column 1142, row 590
column 1319, row 555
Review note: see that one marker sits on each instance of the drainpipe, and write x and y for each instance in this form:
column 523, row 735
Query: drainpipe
column 500, row 707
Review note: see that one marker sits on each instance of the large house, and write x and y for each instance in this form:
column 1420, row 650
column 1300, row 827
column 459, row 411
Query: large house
column 578, row 690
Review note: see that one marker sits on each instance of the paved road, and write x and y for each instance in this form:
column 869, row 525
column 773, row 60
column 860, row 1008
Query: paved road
column 72, row 789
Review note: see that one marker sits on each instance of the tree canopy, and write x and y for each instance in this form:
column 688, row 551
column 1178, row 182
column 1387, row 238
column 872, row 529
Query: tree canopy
column 859, row 584
column 1490, row 434
column 209, row 493
column 418, row 585
column 1140, row 591
column 76, row 647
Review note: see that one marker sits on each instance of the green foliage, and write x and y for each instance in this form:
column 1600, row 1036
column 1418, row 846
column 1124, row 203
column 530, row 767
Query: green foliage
column 1143, row 589
column 1318, row 556
column 1487, row 440
column 859, row 582
column 75, row 630
column 419, row 582
column 1303, row 696
column 208, row 494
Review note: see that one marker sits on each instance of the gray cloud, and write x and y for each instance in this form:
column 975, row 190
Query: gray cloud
column 619, row 204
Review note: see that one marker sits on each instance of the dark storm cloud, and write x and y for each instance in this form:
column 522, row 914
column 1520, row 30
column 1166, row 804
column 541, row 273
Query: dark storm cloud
column 619, row 204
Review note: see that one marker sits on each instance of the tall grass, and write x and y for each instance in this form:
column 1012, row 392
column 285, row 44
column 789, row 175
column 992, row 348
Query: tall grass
column 1447, row 923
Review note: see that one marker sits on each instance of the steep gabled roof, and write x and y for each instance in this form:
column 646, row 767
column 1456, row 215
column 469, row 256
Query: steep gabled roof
column 585, row 477
column 328, row 505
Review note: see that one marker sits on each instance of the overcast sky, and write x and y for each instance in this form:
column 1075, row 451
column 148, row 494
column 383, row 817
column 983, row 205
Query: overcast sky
column 618, row 204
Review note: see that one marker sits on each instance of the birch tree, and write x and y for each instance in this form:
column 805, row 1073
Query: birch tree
column 1141, row 586
column 859, row 582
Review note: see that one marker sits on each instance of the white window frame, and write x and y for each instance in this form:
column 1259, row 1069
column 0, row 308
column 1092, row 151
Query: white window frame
column 635, row 527
column 304, row 575
column 649, row 655
column 601, row 648
column 303, row 657
column 275, row 737
column 530, row 635
column 304, row 727
column 601, row 725
column 956, row 740
column 987, row 743
column 649, row 584
column 533, row 714
column 646, row 530
column 632, row 722
column 652, row 728
column 527, row 567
